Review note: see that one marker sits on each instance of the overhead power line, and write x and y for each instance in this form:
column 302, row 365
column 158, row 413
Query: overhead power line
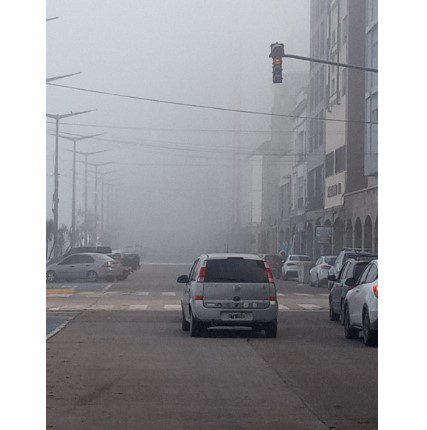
column 199, row 106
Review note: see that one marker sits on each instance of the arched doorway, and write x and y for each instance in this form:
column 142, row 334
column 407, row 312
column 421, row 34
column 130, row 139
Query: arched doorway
column 358, row 233
column 376, row 236
column 367, row 242
column 326, row 249
column 338, row 235
column 349, row 234
column 309, row 239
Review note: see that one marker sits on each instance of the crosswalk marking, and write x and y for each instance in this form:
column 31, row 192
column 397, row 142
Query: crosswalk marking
column 103, row 307
column 138, row 307
column 309, row 306
column 142, row 293
column 168, row 293
column 172, row 307
column 280, row 294
column 303, row 294
column 283, row 308
column 324, row 295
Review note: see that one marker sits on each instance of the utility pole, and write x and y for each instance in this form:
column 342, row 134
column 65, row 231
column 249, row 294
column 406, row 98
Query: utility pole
column 57, row 118
column 97, row 165
column 86, row 155
column 103, row 211
column 75, row 139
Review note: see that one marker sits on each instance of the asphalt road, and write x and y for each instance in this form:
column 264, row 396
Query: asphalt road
column 121, row 361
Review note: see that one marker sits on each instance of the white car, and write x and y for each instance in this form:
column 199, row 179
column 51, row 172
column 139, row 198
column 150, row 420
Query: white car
column 293, row 264
column 361, row 306
column 319, row 273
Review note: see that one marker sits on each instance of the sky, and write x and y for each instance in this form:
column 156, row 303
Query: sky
column 173, row 173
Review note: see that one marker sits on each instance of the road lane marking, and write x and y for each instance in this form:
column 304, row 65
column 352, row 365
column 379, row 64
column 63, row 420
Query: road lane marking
column 303, row 294
column 283, row 308
column 309, row 306
column 168, row 293
column 59, row 291
column 325, row 295
column 172, row 307
column 142, row 293
column 138, row 307
column 107, row 287
column 102, row 307
column 280, row 294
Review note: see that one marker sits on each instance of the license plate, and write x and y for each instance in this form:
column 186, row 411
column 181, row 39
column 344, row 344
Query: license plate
column 235, row 316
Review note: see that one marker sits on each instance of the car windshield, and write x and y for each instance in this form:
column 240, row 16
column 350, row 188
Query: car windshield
column 236, row 270
column 330, row 260
column 299, row 258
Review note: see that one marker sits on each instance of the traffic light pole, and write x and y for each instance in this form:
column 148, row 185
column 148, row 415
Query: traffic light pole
column 331, row 63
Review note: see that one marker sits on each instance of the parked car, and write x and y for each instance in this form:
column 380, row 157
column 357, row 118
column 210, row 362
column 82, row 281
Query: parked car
column 344, row 255
column 131, row 260
column 293, row 263
column 319, row 273
column 229, row 290
column 275, row 262
column 352, row 269
column 361, row 306
column 90, row 266
column 120, row 271
column 91, row 249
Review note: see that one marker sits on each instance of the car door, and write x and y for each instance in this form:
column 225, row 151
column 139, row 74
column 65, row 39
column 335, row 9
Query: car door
column 365, row 289
column 336, row 292
column 66, row 267
column 356, row 302
column 187, row 288
column 82, row 266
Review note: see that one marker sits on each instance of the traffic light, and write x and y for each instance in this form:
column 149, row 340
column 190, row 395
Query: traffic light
column 277, row 53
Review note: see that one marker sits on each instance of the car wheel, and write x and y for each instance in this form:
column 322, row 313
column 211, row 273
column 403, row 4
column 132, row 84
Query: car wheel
column 270, row 329
column 185, row 325
column 349, row 331
column 51, row 276
column 370, row 337
column 333, row 316
column 92, row 276
column 195, row 326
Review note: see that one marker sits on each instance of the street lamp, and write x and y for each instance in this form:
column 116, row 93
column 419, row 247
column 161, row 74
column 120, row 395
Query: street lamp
column 86, row 155
column 57, row 118
column 75, row 139
column 97, row 165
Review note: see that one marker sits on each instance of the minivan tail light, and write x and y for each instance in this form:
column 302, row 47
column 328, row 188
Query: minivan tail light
column 202, row 273
column 375, row 290
column 269, row 273
column 273, row 299
column 199, row 298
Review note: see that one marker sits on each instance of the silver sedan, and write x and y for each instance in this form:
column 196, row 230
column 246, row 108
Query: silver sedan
column 90, row 266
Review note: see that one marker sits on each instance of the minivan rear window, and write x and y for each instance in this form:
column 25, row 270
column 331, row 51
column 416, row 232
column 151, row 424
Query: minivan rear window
column 236, row 270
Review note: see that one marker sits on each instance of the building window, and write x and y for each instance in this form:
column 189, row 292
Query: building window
column 344, row 30
column 329, row 164
column 340, row 159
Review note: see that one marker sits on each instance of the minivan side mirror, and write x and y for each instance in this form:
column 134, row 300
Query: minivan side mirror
column 350, row 282
column 183, row 279
column 332, row 278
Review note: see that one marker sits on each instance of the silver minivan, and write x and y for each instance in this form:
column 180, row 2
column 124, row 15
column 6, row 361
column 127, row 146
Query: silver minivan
column 229, row 290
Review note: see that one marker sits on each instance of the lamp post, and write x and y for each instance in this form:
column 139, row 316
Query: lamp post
column 86, row 155
column 57, row 118
column 75, row 139
column 97, row 165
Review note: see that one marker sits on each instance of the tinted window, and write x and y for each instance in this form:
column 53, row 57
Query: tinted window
column 103, row 249
column 365, row 274
column 86, row 259
column 358, row 269
column 235, row 270
column 70, row 260
column 373, row 274
column 330, row 260
column 191, row 274
column 343, row 272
